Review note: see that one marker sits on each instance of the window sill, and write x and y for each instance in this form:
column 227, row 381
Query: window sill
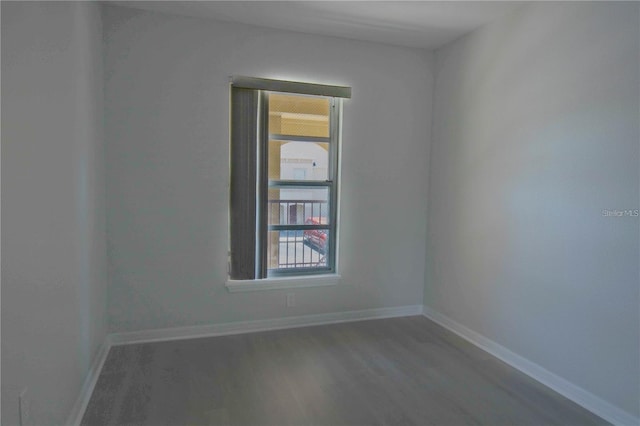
column 276, row 283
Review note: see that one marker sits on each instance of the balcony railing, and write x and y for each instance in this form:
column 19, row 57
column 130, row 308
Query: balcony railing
column 296, row 247
column 295, row 212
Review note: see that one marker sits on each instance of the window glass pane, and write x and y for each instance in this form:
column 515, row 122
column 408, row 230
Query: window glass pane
column 298, row 160
column 298, row 115
column 298, row 206
column 297, row 249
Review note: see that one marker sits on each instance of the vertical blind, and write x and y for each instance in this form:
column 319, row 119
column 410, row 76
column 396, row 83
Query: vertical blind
column 244, row 156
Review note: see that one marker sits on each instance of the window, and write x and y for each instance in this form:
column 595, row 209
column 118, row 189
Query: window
column 284, row 177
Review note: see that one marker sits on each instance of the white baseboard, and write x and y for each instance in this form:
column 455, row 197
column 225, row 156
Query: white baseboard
column 192, row 332
column 565, row 388
column 75, row 416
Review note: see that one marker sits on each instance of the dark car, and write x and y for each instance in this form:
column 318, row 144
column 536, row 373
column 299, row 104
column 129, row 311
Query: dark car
column 316, row 238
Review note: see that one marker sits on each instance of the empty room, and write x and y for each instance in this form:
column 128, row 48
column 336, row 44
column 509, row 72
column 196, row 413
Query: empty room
column 320, row 213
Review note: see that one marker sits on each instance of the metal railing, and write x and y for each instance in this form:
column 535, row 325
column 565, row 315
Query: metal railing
column 295, row 212
column 297, row 246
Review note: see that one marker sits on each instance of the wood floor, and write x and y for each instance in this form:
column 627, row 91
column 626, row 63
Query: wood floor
column 400, row 371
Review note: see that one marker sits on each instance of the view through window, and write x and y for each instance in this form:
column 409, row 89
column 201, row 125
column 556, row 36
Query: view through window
column 301, row 168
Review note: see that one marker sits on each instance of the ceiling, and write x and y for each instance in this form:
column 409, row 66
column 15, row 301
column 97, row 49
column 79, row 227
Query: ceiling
column 422, row 24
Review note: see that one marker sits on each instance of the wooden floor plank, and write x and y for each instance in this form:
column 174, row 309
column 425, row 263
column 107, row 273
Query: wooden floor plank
column 399, row 371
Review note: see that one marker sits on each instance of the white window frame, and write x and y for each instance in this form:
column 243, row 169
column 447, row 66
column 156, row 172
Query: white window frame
column 293, row 277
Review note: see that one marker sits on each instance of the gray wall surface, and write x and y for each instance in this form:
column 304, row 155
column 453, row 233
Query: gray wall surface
column 53, row 222
column 167, row 167
column 535, row 132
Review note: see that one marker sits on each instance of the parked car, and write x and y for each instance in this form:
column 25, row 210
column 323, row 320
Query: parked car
column 316, row 238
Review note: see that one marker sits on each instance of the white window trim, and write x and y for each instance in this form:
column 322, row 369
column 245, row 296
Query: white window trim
column 294, row 279
column 276, row 283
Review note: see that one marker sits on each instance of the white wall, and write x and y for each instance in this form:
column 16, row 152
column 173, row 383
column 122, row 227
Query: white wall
column 53, row 224
column 166, row 124
column 535, row 132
